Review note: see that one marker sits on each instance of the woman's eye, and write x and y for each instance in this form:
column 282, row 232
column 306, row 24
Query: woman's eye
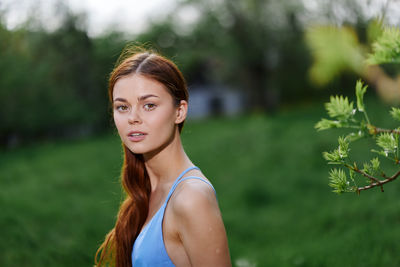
column 149, row 106
column 121, row 108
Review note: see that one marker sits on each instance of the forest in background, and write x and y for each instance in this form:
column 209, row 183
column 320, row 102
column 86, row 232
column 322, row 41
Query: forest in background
column 53, row 83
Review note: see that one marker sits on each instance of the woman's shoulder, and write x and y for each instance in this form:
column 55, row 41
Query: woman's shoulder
column 193, row 195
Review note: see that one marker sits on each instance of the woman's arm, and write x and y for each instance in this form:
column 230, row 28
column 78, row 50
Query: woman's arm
column 200, row 226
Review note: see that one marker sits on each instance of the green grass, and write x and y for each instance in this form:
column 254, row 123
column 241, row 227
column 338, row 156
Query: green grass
column 58, row 200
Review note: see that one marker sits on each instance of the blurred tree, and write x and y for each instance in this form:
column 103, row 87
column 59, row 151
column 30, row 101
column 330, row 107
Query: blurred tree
column 53, row 79
column 341, row 43
column 14, row 67
column 336, row 50
column 252, row 45
column 69, row 50
column 53, row 84
column 105, row 51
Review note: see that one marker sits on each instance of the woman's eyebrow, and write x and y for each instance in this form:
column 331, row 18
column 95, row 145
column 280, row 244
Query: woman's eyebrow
column 120, row 99
column 141, row 98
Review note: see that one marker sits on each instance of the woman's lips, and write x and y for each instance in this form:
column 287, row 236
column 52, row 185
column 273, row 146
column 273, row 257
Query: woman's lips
column 136, row 136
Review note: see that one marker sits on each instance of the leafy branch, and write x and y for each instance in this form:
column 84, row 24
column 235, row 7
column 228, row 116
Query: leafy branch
column 343, row 114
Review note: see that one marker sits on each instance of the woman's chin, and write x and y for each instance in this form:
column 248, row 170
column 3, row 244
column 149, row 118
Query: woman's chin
column 148, row 149
column 140, row 150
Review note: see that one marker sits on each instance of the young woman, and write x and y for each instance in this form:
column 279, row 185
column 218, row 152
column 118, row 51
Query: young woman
column 170, row 216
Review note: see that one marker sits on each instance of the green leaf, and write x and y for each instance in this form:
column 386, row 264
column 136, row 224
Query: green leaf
column 368, row 168
column 395, row 112
column 382, row 153
column 375, row 164
column 360, row 91
column 343, row 148
column 324, row 124
column 373, row 167
column 374, row 30
column 386, row 49
column 351, row 137
column 387, row 142
column 338, row 155
column 352, row 175
column 332, row 157
column 338, row 181
column 340, row 108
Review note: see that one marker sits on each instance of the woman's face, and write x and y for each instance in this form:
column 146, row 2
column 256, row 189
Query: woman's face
column 145, row 114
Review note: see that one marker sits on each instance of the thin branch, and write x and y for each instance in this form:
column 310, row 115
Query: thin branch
column 380, row 130
column 366, row 116
column 372, row 178
column 379, row 183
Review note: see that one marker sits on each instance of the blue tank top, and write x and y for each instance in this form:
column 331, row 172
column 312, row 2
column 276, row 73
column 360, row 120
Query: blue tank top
column 149, row 248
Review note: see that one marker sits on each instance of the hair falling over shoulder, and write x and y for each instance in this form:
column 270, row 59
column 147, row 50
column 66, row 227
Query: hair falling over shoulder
column 117, row 247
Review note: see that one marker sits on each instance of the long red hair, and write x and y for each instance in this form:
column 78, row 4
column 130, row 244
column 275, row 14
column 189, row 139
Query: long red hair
column 117, row 247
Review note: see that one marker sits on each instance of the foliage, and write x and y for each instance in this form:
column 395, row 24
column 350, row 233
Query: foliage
column 338, row 181
column 395, row 112
column 53, row 84
column 386, row 140
column 367, row 51
column 386, row 49
column 334, row 50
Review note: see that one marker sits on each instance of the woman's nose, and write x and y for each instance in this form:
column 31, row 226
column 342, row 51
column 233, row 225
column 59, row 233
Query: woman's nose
column 134, row 117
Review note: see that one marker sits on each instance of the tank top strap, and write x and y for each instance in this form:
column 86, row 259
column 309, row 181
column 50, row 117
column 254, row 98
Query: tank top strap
column 198, row 178
column 177, row 181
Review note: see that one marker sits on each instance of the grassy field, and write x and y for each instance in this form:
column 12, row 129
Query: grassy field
column 58, row 200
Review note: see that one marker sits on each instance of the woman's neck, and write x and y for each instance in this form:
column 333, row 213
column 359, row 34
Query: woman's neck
column 165, row 165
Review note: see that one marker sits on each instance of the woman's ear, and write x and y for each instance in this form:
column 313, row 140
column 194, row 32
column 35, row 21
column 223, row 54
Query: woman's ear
column 181, row 111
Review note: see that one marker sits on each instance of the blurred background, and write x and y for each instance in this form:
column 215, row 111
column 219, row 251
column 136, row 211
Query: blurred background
column 259, row 72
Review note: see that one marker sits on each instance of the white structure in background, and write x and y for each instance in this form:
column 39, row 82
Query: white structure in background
column 213, row 100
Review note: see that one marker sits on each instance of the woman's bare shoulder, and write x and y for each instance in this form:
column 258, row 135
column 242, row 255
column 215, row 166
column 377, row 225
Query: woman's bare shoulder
column 198, row 223
column 193, row 196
